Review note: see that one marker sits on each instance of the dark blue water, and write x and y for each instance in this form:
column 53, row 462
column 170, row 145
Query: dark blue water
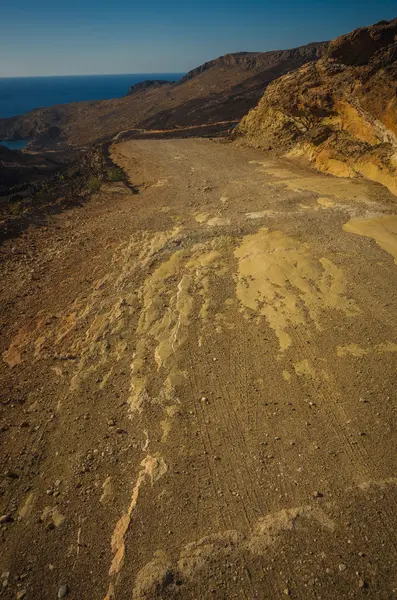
column 21, row 94
column 16, row 145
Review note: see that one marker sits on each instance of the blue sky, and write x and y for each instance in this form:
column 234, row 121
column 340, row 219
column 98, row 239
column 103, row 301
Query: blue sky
column 71, row 37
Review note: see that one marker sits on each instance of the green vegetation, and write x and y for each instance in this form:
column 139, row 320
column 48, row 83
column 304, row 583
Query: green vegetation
column 94, row 184
column 115, row 174
column 15, row 209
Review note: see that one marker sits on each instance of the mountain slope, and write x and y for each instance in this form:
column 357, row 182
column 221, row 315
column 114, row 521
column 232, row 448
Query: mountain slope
column 340, row 112
column 221, row 90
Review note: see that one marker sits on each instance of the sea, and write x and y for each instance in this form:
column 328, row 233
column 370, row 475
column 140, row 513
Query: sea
column 21, row 94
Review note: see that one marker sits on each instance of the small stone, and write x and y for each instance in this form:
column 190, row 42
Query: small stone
column 6, row 519
column 120, row 431
column 342, row 567
column 362, row 584
column 312, row 404
column 217, row 457
column 318, row 494
column 204, row 399
column 21, row 594
column 63, row 591
column 111, row 422
column 57, row 483
column 11, row 475
column 287, row 591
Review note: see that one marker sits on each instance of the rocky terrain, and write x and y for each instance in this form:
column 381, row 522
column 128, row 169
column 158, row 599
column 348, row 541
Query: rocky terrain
column 340, row 112
column 219, row 92
column 198, row 350
column 198, row 385
column 36, row 185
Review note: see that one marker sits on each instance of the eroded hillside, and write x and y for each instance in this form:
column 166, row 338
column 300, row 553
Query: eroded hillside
column 339, row 112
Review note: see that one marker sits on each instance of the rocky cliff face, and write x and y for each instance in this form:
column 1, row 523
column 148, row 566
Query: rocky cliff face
column 339, row 112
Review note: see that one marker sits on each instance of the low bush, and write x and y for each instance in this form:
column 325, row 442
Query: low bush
column 115, row 174
column 94, row 184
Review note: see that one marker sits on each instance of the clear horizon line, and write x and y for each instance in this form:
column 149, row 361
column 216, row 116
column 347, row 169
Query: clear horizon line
column 93, row 74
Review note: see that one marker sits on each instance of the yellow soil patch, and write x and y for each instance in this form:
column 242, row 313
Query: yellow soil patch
column 356, row 350
column 279, row 279
column 339, row 188
column 325, row 202
column 168, row 303
column 382, row 229
column 304, row 367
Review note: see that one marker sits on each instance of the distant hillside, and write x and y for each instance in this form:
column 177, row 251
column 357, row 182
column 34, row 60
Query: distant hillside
column 220, row 90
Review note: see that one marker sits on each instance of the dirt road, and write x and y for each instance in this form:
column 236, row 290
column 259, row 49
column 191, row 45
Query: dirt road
column 199, row 386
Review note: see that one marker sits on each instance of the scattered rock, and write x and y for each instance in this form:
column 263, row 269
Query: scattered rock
column 21, row 594
column 4, row 579
column 63, row 591
column 318, row 494
column 6, row 519
column 362, row 583
column 342, row 567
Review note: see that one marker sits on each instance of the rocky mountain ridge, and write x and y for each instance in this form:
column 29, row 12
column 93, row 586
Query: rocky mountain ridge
column 250, row 60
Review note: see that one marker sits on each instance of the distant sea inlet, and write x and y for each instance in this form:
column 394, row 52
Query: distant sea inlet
column 19, row 95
